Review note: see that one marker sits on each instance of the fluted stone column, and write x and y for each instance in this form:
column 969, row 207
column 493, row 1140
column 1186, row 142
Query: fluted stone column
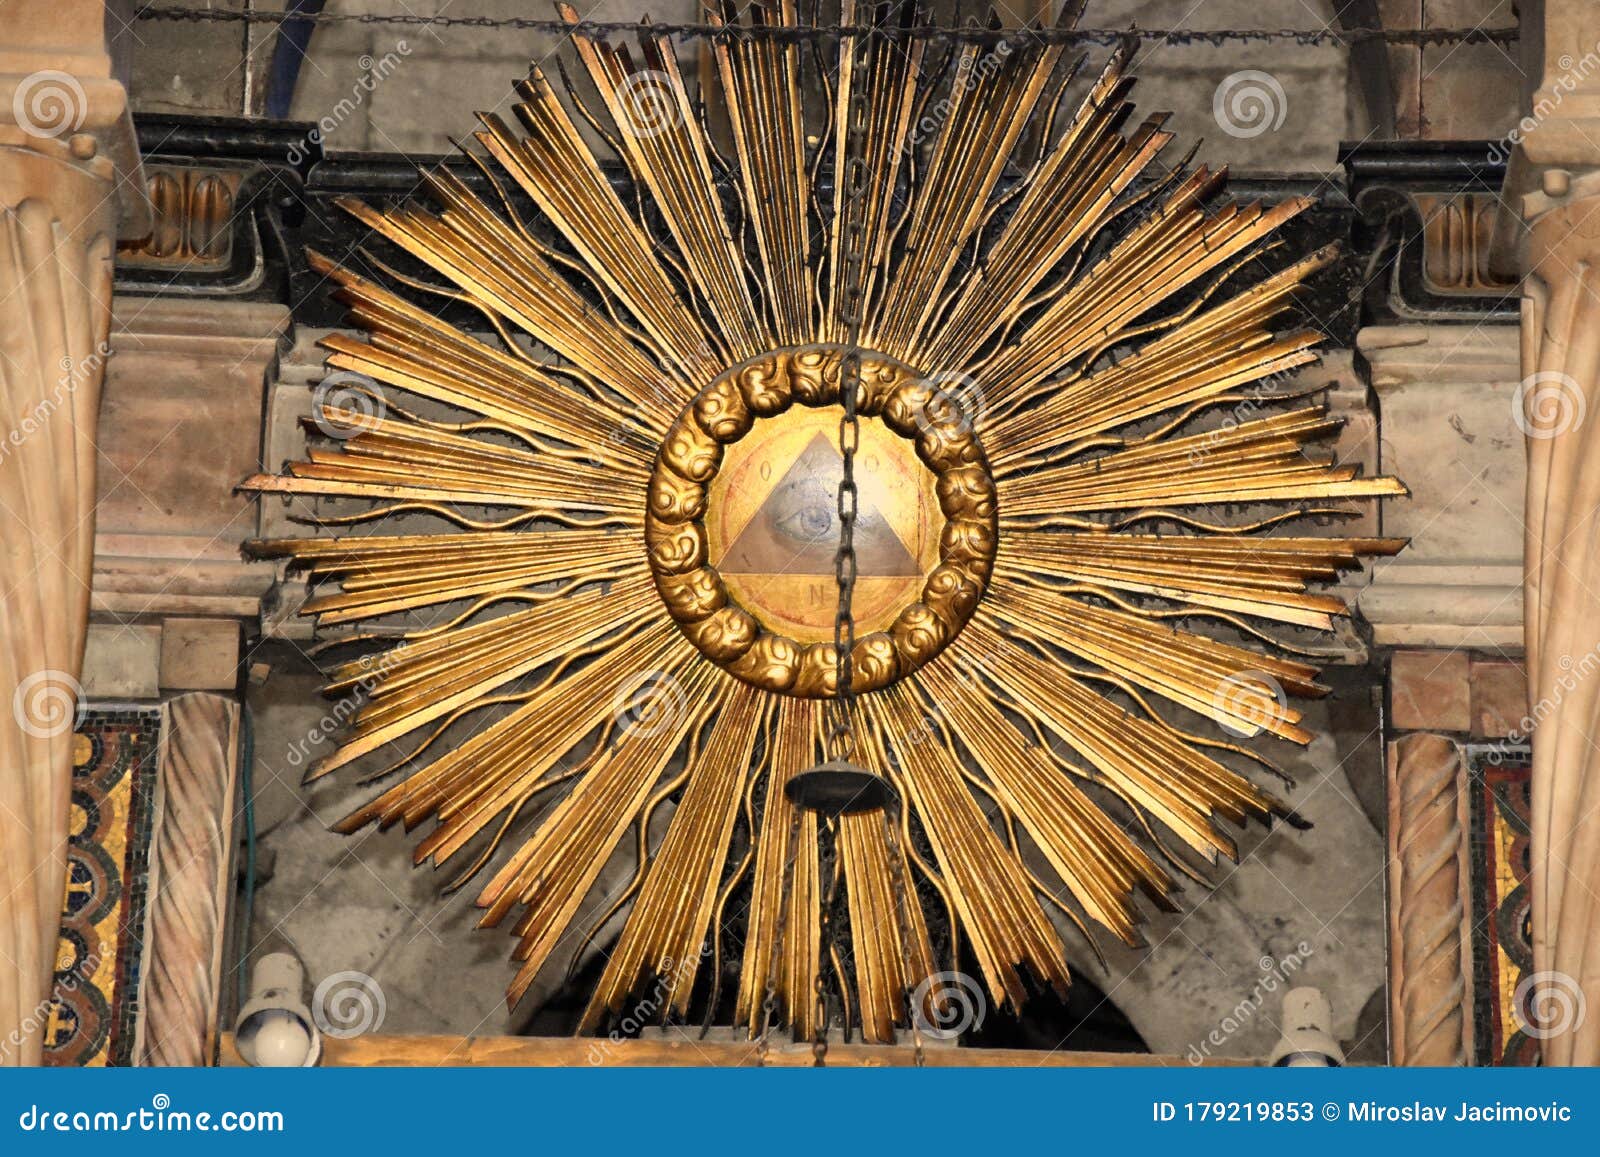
column 1554, row 186
column 68, row 184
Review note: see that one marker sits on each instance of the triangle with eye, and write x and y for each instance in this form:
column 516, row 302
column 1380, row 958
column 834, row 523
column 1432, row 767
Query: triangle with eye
column 796, row 529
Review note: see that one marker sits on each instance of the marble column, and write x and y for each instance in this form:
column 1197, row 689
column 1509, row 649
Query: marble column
column 69, row 186
column 1554, row 187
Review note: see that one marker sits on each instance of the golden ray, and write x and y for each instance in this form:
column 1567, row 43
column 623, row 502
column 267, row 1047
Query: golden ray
column 555, row 661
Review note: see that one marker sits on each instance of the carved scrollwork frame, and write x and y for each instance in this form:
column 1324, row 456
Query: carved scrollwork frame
column 911, row 405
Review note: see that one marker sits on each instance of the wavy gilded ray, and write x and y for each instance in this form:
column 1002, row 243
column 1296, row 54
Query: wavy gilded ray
column 672, row 158
column 1265, row 577
column 387, row 574
column 1176, row 245
column 412, row 350
column 425, row 681
column 1262, row 460
column 667, row 929
column 887, row 82
column 1197, row 361
column 782, row 954
column 989, row 107
column 553, row 871
column 554, row 166
column 495, row 266
column 1000, row 914
column 761, row 85
column 1070, row 195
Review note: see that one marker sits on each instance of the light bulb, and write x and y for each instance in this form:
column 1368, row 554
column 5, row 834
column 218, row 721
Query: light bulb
column 280, row 1041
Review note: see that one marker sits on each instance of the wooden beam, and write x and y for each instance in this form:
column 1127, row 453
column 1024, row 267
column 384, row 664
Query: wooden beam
column 383, row 1051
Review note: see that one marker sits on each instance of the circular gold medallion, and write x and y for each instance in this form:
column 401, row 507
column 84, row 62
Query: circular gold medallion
column 743, row 526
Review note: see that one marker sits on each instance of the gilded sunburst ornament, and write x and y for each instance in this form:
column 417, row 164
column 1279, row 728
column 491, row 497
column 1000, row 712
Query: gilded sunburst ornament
column 615, row 596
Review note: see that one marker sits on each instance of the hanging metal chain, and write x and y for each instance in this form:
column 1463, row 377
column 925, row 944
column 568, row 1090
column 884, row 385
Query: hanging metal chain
column 826, row 871
column 802, row 33
column 853, row 189
column 769, row 1002
column 900, row 889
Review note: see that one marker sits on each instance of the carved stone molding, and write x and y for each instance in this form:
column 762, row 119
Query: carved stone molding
column 181, row 425
column 1447, row 395
column 190, row 881
column 1430, row 991
column 66, row 152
